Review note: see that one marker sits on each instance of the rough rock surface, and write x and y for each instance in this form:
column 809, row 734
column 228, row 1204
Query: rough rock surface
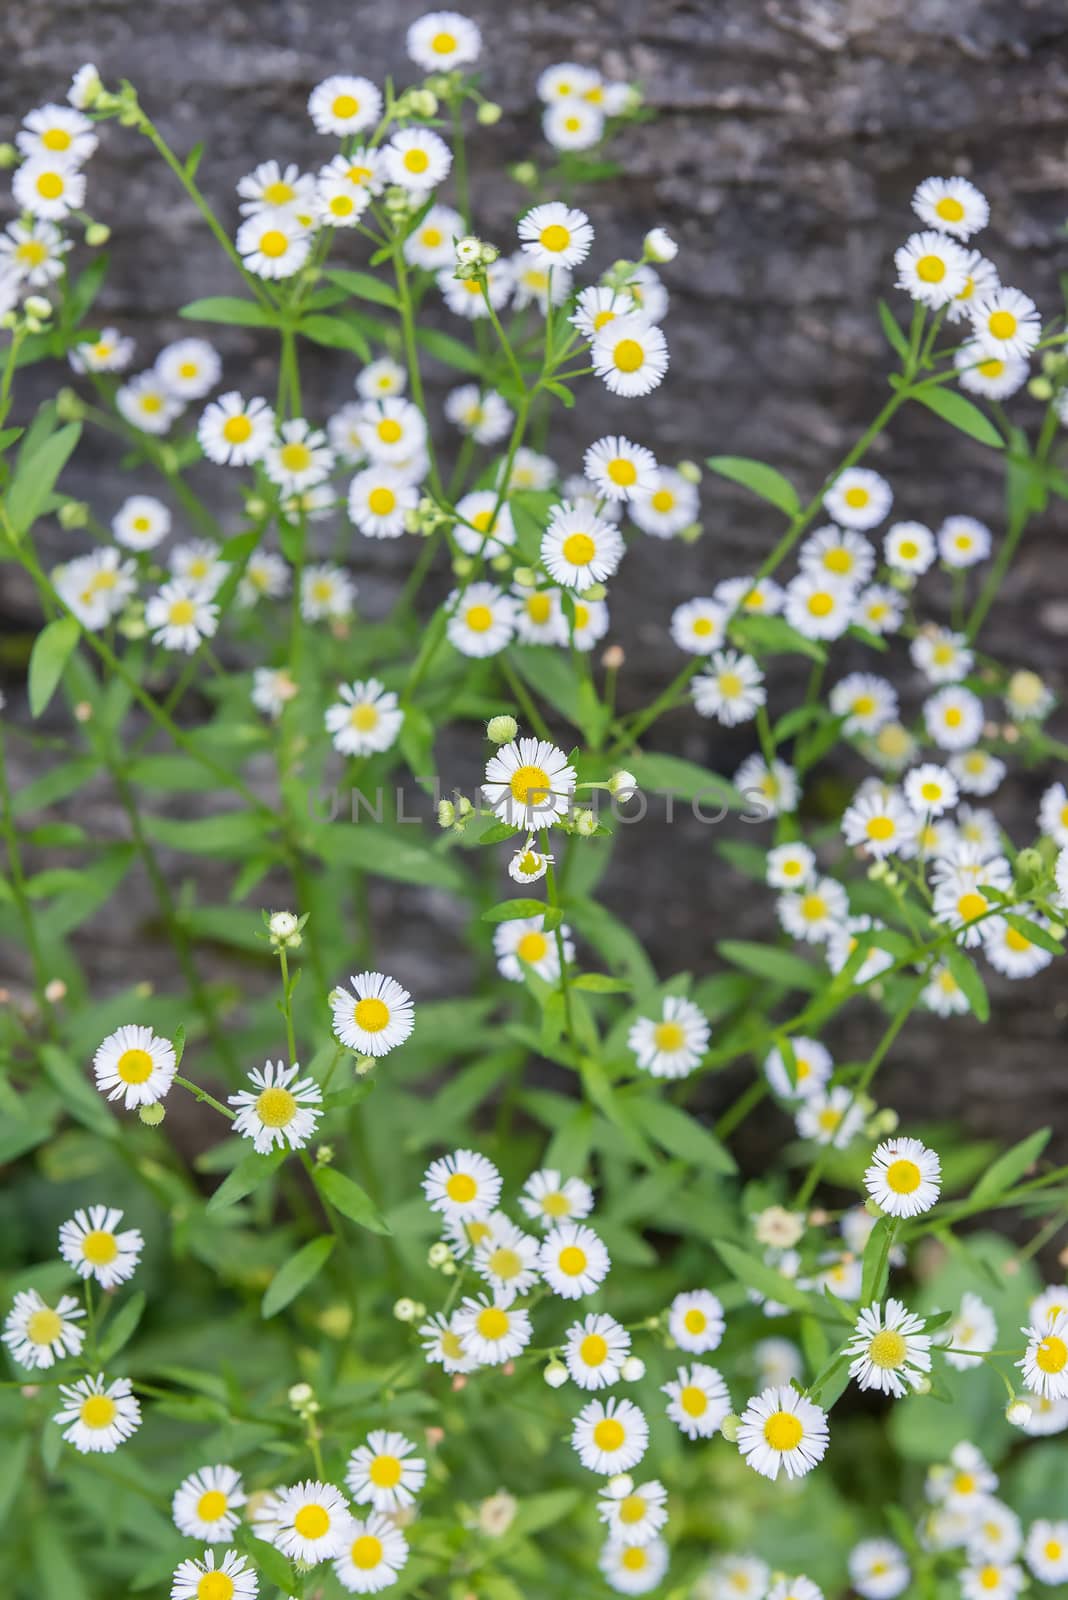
column 790, row 135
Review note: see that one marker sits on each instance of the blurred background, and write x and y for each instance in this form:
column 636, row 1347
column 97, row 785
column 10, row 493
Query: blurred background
column 789, row 136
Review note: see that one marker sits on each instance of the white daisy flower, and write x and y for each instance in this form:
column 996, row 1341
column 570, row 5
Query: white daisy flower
column 96, row 1417
column 141, row 522
column 596, row 306
column 529, row 783
column 486, row 527
column 326, row 591
column 555, row 235
column 930, row 790
column 310, row 1521
column 232, row 1579
column 698, row 1400
column 376, row 1017
column 979, row 773
column 732, row 690
column 111, row 352
column 777, row 790
column 819, row 607
column 843, row 941
column 858, row 498
column 465, row 296
column 205, row 1505
column 595, row 1350
column 441, row 41
column 392, row 429
column 840, row 1275
column 633, row 1568
column 990, row 373
column 146, row 404
column 668, row 506
column 1006, row 323
column 813, row 913
column 578, row 549
column 508, row 1261
column 134, row 1065
column 96, row 587
column 1045, row 1361
column 381, row 379
column 830, row 1117
column 272, row 690
column 487, row 417
column 548, row 1198
column 37, row 1334
column 991, row 1581
column 909, row 547
column 431, row 243
column 538, row 617
column 48, row 187
column 573, row 125
column 56, row 133
column 572, row 1260
column 756, row 597
column 283, row 1109
column 493, row 1333
column 533, row 285
column 973, row 1328
column 590, row 622
column 344, row 105
column 982, row 280
column 942, row 656
column 366, row 719
column 904, row 1178
column 671, row 1046
column 1028, row 698
column 866, row 702
column 953, row 718
column 695, row 1321
column 85, row 85
column 621, row 470
column 799, row 1588
column 189, row 368
column 299, row 458
column 1047, row 1417
column 878, row 1569
column 273, row 244
column 789, row 866
column 373, row 1555
column 1046, row 1307
column 781, row 1431
column 481, row 620
column 838, row 552
column 384, row 1472
column 879, row 609
column 528, row 865
column 889, row 1349
column 880, row 823
column 631, row 355
column 180, row 616
column 699, row 626
column 32, row 252
column 998, row 1535
column 813, row 1066
column 272, row 187
column 952, row 205
column 463, row 1186
column 235, row 432
column 417, row 158
column 931, row 268
column 198, row 566
column 647, row 293
column 735, row 1577
column 530, row 470
column 266, row 576
column 636, row 1517
column 1046, row 1551
column 91, row 1243
column 566, row 80
column 443, row 1346
column 610, row 1436
column 963, row 542
column 345, row 187
column 344, row 432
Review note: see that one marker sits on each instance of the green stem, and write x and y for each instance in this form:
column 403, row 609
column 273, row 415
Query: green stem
column 202, row 1095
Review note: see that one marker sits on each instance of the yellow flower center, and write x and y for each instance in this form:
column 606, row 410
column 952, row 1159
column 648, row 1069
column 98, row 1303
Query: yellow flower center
column 881, row 828
column 443, row 44
column 695, row 1321
column 366, row 1552
column 505, row 1263
column 571, row 1261
column 99, row 1411
column 215, row 1586
column 887, row 1349
column 182, row 613
column 857, row 496
column 669, row 1036
column 954, row 716
column 579, row 549
column 829, row 1119
column 44, row 1326
column 704, row 625
column 451, row 1344
column 479, row 619
column 385, row 1472
column 593, row 1349
column 370, row 1014
column 57, row 139
column 1053, row 1550
column 358, row 175
column 389, row 430
column 813, row 907
column 416, row 160
column 50, row 185
column 930, row 269
column 628, row 355
column 931, row 791
column 863, row 705
column 555, row 1204
column 821, row 603
column 693, row 1400
column 631, row 1509
column 273, row 243
column 134, row 1066
column 530, row 785
column 211, row 1506
column 99, row 1247
column 345, row 106
column 989, row 1577
column 555, row 237
column 296, row 457
column 151, row 403
column 342, row 205
column 32, row 253
column 381, row 502
column 279, row 194
column 311, row 1522
column 903, row 1176
column 1016, row 941
column 730, row 684
column 950, row 209
column 1002, row 324
column 634, row 1558
column 363, row 718
column 276, row 1107
column 838, row 559
column 461, row 1187
column 1052, row 1354
column 664, row 500
column 492, row 1322
column 539, row 608
column 609, row 1434
column 783, row 1431
column 237, row 429
column 432, row 238
column 971, row 905
column 622, row 471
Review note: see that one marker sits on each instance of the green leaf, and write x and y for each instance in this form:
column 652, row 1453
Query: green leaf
column 754, row 1274
column 36, row 474
column 443, row 347
column 250, row 1172
column 768, row 961
column 876, row 1264
column 268, row 1561
column 761, row 479
column 230, row 309
column 122, row 1327
column 85, row 1104
column 773, row 636
column 960, row 413
column 346, row 1196
column 1035, row 933
column 13, row 1461
column 561, row 392
column 228, row 833
column 680, row 1134
column 613, row 941
column 296, row 1274
column 895, row 336
column 52, row 650
column 665, row 774
column 365, row 287
column 512, row 910
column 385, row 854
column 600, row 983
column 1011, row 1166
column 336, row 334
column 966, row 974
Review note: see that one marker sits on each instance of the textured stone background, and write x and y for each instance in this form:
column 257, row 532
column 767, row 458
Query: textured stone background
column 789, row 138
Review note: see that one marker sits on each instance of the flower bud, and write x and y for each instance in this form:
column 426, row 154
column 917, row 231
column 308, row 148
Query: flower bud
column 501, row 730
column 489, row 113
column 8, row 155
column 446, row 814
column 613, row 658
column 300, row 1394
column 282, row 924
column 620, row 1486
column 468, row 249
column 488, row 254
column 623, row 785
column 438, row 1255
column 632, row 1370
column 73, row 514
column 690, row 471
column 555, row 1374
column 364, row 1065
column 692, row 533
column 526, row 173
column 659, row 247
column 585, row 824
column 1029, row 868
column 404, row 1310
column 97, row 234
column 1018, row 1413
column 596, row 591
column 729, row 1427
column 35, row 305
column 526, row 577
column 152, row 1115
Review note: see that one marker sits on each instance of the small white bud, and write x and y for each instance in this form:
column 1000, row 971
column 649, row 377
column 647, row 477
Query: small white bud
column 623, row 785
column 1018, row 1413
column 468, row 249
column 501, row 730
column 620, row 1486
column 633, row 1369
column 659, row 246
column 729, row 1428
column 282, row 924
column 555, row 1374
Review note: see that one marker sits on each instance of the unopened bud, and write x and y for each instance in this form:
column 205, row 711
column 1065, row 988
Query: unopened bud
column 364, row 1065
column 468, row 249
column 97, row 234
column 729, row 1427
column 613, row 658
column 620, row 1486
column 73, row 514
column 446, row 814
column 632, row 1370
column 501, row 729
column 36, row 305
column 659, row 247
column 526, row 173
column 489, row 113
column 55, row 991
column 692, row 533
column 404, row 1310
column 555, row 1374
column 152, row 1115
column 623, row 785
column 585, row 824
column 8, row 155
column 282, row 924
column 438, row 1255
column 300, row 1394
column 690, row 471
column 1018, row 1413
